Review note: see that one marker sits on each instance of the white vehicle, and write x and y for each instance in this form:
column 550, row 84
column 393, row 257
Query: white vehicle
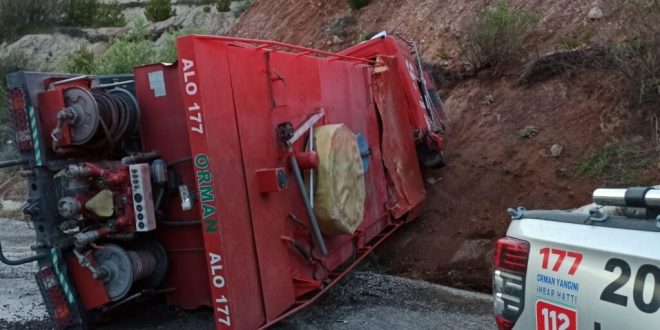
column 595, row 268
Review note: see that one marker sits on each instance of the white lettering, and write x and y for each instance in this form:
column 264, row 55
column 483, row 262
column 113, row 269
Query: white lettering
column 191, row 88
column 194, row 107
column 187, row 64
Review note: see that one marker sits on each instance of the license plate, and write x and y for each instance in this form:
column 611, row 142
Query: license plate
column 553, row 317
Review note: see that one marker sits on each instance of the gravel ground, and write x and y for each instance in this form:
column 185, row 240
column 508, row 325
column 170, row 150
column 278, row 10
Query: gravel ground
column 363, row 300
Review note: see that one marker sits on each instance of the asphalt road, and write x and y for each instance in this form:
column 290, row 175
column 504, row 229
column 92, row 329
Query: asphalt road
column 364, row 300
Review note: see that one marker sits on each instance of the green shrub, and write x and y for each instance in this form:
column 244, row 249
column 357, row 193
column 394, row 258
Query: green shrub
column 638, row 57
column 139, row 30
column 618, row 163
column 79, row 12
column 123, row 55
column 92, row 13
column 80, row 61
column 206, row 9
column 576, row 39
column 223, row 6
column 357, row 4
column 364, row 36
column 159, row 10
column 34, row 16
column 109, row 14
column 528, row 132
column 133, row 49
column 341, row 25
column 496, row 35
column 126, row 52
column 167, row 50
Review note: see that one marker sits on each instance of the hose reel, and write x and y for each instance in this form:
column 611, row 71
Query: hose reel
column 95, row 119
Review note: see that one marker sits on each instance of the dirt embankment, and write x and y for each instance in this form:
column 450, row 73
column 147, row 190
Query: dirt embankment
column 438, row 26
column 501, row 136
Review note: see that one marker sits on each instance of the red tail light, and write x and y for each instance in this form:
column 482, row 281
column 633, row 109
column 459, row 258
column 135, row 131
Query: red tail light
column 504, row 324
column 510, row 263
column 511, row 254
column 54, row 298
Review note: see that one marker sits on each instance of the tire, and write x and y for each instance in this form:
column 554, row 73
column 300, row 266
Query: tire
column 430, row 158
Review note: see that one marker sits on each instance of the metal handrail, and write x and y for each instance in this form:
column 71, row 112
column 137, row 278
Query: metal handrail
column 306, row 51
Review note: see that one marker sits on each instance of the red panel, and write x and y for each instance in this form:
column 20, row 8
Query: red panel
column 259, row 252
column 399, row 154
column 91, row 291
column 406, row 74
column 51, row 102
column 262, row 150
column 303, row 85
column 214, row 139
column 161, row 99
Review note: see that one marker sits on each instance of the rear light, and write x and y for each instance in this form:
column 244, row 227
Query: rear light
column 511, row 255
column 54, row 298
column 19, row 119
column 510, row 266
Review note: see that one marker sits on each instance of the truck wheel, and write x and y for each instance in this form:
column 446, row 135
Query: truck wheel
column 430, row 158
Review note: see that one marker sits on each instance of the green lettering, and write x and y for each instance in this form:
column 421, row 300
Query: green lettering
column 211, row 227
column 206, row 194
column 208, row 210
column 203, row 177
column 202, row 161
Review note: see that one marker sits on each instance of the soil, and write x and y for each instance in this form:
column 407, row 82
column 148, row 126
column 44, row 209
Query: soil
column 438, row 26
column 499, row 143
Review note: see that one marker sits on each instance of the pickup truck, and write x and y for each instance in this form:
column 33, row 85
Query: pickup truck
column 596, row 267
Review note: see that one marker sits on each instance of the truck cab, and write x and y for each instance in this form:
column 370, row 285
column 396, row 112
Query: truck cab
column 596, row 267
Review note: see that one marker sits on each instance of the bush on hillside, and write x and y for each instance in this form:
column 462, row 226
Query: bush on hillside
column 110, row 15
column 639, row 56
column 357, row 4
column 167, row 50
column 123, row 55
column 17, row 17
column 159, row 10
column 341, row 26
column 126, row 52
column 92, row 13
column 223, row 6
column 496, row 35
column 79, row 12
column 81, row 61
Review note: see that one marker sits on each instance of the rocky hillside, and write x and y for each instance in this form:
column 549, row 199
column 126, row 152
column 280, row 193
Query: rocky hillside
column 544, row 145
column 46, row 50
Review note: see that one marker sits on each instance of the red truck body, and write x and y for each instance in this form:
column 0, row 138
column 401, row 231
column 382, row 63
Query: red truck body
column 246, row 247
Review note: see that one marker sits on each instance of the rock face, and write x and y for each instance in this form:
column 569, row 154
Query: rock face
column 45, row 51
column 194, row 16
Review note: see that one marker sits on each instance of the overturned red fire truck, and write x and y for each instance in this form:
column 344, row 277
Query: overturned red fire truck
column 249, row 176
